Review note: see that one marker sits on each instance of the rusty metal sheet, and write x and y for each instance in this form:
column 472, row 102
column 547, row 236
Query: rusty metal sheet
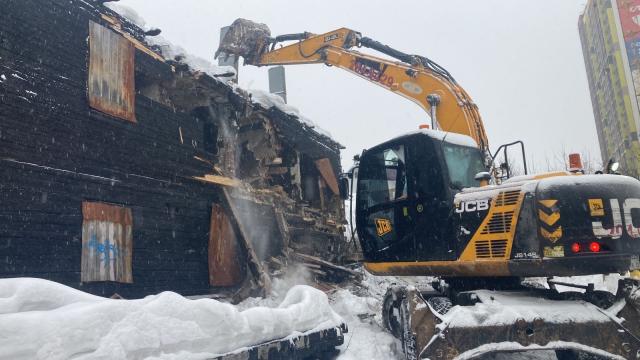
column 329, row 176
column 111, row 84
column 225, row 266
column 107, row 243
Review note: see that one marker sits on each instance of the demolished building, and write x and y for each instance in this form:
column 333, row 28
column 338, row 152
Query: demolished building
column 127, row 169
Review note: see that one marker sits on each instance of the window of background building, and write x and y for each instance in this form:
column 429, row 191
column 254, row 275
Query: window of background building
column 107, row 243
column 111, row 83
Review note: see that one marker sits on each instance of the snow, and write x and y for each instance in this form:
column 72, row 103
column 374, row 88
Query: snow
column 530, row 177
column 366, row 338
column 600, row 282
column 578, row 180
column 173, row 52
column 535, row 349
column 170, row 51
column 269, row 100
column 40, row 319
column 452, row 138
column 484, row 192
column 128, row 13
column 361, row 308
column 501, row 308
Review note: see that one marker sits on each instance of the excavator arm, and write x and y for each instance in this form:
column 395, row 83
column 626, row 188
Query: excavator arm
column 411, row 76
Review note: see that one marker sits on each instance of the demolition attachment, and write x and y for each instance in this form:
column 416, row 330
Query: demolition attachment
column 247, row 39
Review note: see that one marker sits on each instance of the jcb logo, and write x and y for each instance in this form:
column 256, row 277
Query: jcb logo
column 617, row 213
column 472, row 206
column 383, row 226
column 331, row 37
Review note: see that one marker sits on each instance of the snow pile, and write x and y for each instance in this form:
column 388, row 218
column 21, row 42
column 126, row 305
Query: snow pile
column 502, row 308
column 295, row 275
column 129, row 14
column 269, row 100
column 173, row 52
column 40, row 319
column 366, row 338
column 607, row 283
column 361, row 308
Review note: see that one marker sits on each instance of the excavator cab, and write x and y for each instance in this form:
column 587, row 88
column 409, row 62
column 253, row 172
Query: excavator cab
column 405, row 191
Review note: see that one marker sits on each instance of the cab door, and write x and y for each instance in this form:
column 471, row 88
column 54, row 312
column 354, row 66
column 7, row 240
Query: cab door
column 384, row 206
column 434, row 235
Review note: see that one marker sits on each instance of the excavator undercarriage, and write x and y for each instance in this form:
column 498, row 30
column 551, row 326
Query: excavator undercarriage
column 469, row 324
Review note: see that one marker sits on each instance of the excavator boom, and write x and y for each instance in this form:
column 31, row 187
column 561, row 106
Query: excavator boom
column 414, row 77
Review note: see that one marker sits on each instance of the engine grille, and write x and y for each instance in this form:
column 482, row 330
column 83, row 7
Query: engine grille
column 506, row 198
column 486, row 249
column 499, row 223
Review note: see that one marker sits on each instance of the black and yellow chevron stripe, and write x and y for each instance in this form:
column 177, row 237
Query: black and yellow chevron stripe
column 549, row 215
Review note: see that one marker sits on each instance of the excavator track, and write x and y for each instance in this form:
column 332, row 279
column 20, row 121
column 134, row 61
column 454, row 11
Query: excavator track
column 471, row 324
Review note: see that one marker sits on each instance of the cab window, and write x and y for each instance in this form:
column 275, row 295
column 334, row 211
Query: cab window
column 382, row 177
column 463, row 164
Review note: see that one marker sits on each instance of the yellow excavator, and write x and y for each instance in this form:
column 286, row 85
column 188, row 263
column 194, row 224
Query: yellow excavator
column 431, row 203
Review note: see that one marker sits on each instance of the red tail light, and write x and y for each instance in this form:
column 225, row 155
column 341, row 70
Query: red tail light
column 575, row 248
column 594, row 247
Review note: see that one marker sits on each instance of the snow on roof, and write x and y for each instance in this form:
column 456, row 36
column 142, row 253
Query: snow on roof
column 269, row 100
column 129, row 14
column 449, row 137
column 46, row 320
column 173, row 52
column 577, row 180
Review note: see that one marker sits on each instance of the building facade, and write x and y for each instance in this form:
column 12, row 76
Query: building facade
column 610, row 36
column 126, row 170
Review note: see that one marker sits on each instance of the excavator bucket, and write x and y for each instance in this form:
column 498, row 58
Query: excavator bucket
column 245, row 38
column 431, row 327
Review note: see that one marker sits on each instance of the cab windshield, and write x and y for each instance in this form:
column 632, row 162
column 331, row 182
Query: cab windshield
column 463, row 164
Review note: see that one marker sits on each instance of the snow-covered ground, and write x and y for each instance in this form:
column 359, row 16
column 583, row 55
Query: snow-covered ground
column 367, row 339
column 361, row 308
column 40, row 319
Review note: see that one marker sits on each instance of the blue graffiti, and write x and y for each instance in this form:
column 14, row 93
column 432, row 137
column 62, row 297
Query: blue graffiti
column 106, row 251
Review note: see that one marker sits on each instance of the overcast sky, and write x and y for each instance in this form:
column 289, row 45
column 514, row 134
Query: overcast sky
column 520, row 60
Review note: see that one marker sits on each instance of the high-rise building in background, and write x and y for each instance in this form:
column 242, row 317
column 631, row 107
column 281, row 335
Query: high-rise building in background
column 610, row 35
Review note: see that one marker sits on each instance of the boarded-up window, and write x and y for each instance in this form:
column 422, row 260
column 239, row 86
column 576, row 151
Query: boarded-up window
column 111, row 82
column 226, row 267
column 107, row 243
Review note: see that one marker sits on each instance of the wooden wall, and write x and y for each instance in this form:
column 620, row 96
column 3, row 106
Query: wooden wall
column 56, row 152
